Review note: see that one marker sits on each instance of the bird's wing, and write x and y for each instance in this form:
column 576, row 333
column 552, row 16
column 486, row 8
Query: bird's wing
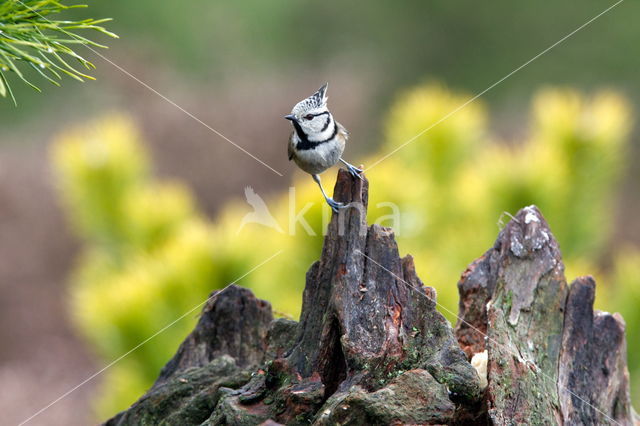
column 343, row 130
column 290, row 151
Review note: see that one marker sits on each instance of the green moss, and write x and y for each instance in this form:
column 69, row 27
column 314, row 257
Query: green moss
column 507, row 303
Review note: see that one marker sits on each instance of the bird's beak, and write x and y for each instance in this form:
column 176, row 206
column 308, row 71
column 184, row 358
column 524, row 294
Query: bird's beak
column 290, row 117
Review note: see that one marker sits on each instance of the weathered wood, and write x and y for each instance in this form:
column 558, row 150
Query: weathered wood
column 371, row 348
column 368, row 331
column 550, row 361
column 593, row 382
column 228, row 342
column 524, row 329
column 246, row 321
column 476, row 288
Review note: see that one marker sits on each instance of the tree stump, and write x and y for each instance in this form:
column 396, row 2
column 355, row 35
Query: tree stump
column 371, row 347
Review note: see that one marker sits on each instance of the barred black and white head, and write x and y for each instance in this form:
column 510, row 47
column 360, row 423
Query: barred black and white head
column 311, row 117
column 315, row 102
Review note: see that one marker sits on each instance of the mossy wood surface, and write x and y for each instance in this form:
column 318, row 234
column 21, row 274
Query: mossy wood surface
column 371, row 347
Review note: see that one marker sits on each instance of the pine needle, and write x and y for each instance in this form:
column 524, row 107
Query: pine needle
column 31, row 38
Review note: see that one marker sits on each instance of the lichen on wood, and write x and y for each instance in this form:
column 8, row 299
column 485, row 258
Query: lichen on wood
column 546, row 351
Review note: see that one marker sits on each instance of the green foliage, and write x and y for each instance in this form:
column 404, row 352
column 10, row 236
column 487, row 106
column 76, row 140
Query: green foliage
column 150, row 257
column 30, row 38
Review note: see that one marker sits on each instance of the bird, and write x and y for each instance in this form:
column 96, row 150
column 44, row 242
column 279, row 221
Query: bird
column 318, row 140
column 260, row 213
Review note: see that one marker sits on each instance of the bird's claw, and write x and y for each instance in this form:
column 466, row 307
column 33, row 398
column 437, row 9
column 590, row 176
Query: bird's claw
column 355, row 172
column 335, row 205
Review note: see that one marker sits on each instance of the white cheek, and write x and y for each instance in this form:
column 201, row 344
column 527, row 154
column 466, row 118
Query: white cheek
column 316, row 124
column 320, row 135
column 326, row 134
column 307, row 127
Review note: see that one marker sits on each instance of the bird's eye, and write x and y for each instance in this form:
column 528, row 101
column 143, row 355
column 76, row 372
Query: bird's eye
column 309, row 116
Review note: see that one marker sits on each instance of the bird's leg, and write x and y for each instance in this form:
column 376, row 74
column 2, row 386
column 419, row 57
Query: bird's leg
column 355, row 172
column 335, row 206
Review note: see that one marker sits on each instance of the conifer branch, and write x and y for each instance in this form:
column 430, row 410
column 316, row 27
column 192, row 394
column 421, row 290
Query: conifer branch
column 29, row 38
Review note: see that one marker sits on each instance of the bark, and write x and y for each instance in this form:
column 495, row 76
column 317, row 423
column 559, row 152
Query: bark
column 371, row 347
column 551, row 360
column 227, row 344
column 593, row 369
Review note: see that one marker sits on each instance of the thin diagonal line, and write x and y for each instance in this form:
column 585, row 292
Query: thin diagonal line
column 465, row 104
column 115, row 361
column 162, row 96
column 183, row 110
column 417, row 290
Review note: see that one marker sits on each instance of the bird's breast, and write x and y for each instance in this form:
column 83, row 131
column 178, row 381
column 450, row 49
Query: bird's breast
column 321, row 157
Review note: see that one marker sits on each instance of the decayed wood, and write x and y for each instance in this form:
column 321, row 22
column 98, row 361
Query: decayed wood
column 368, row 337
column 228, row 342
column 550, row 361
column 246, row 321
column 524, row 326
column 371, row 348
column 593, row 382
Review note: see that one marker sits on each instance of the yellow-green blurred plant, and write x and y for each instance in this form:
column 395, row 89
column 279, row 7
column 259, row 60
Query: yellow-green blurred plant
column 150, row 257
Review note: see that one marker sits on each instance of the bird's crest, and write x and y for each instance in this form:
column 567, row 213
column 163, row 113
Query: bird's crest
column 314, row 102
column 320, row 97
